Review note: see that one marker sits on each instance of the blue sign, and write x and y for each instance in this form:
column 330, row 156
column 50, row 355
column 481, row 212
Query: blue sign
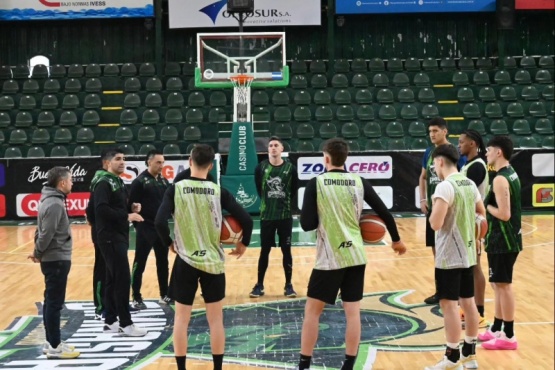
column 413, row 6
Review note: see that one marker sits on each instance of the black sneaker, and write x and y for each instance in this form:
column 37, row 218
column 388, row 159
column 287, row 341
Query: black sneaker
column 166, row 300
column 139, row 305
column 289, row 292
column 433, row 299
column 257, row 291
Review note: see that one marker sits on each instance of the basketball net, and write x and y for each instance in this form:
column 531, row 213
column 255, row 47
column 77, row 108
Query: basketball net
column 242, row 84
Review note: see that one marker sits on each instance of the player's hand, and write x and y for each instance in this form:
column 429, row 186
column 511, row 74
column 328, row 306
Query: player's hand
column 135, row 217
column 239, row 250
column 33, row 258
column 424, row 207
column 399, row 247
column 136, row 208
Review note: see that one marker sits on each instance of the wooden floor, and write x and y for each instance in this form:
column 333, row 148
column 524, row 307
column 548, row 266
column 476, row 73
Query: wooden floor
column 21, row 286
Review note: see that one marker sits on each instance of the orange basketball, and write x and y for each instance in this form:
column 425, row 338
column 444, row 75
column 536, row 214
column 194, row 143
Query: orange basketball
column 232, row 232
column 481, row 226
column 372, row 228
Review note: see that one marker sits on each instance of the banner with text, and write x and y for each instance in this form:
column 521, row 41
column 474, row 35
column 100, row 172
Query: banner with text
column 213, row 13
column 534, row 4
column 414, row 6
column 17, row 10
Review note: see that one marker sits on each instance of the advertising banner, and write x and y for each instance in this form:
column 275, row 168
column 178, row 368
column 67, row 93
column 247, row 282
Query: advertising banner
column 534, row 4
column 213, row 13
column 18, row 10
column 415, row 6
column 243, row 189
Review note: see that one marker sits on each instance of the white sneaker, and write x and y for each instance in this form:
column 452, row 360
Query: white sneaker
column 62, row 351
column 469, row 362
column 445, row 364
column 46, row 347
column 132, row 331
column 111, row 328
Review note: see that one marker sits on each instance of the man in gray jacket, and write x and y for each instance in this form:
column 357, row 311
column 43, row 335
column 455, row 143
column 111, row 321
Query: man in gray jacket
column 53, row 245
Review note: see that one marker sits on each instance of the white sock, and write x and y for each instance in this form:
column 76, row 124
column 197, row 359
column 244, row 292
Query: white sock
column 470, row 340
column 453, row 345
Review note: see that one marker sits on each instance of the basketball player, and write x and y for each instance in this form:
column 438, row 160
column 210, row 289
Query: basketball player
column 112, row 217
column 196, row 205
column 428, row 181
column 276, row 183
column 148, row 190
column 456, row 200
column 503, row 242
column 332, row 205
column 472, row 146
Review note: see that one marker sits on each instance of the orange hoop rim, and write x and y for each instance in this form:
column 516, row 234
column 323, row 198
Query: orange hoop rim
column 241, row 79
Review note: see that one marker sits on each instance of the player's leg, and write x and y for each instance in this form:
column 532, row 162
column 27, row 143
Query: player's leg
column 111, row 317
column 479, row 284
column 99, row 282
column 213, row 292
column 284, row 231
column 142, row 249
column 313, row 310
column 468, row 304
column 352, row 289
column 431, row 242
column 161, row 253
column 180, row 333
column 267, row 241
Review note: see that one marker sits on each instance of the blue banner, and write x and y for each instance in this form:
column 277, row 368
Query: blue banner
column 416, row 6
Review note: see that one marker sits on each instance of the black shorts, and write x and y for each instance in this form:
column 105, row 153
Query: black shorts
column 184, row 284
column 269, row 228
column 453, row 284
column 501, row 267
column 324, row 285
column 430, row 233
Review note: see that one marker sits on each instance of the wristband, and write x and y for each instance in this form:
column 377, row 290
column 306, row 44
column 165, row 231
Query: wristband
column 423, row 200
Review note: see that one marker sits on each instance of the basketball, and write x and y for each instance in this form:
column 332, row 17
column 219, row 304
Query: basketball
column 372, row 228
column 231, row 230
column 481, row 227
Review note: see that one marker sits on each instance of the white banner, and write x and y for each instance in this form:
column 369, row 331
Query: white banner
column 368, row 167
column 543, row 165
column 72, row 9
column 213, row 13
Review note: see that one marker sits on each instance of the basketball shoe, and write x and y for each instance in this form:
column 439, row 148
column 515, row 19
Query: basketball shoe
column 257, row 291
column 445, row 364
column 62, row 351
column 501, row 342
column 469, row 362
column 288, row 291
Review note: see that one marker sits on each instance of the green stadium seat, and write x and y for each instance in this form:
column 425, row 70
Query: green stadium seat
column 341, row 66
column 168, row 133
column 419, row 143
column 372, row 130
column 298, row 82
column 90, row 118
column 317, row 66
column 282, row 114
column 150, row 117
column 260, row 114
column 305, row 131
column 128, row 70
column 75, row 71
column 124, row 135
column 537, row 109
column 132, row 100
column 387, row 112
column 409, row 112
column 217, row 115
column 477, row 125
column 319, row 81
column 260, row 98
column 72, row 86
column 46, row 119
column 194, row 116
column 515, row 110
column 460, row 79
column 196, row 99
column 430, row 111
column 363, row 96
column 405, row 96
column 174, row 84
column 373, row 145
column 350, row 130
column 5, row 120
column 145, row 148
column 471, row 111
column 543, row 126
column 173, row 116
column 384, row 96
column 146, row 134
column 57, row 71
column 127, row 149
column 521, row 127
column 548, row 142
column 342, row 97
column 128, row 117
column 302, row 114
column 508, row 93
column 172, row 69
column 530, row 93
column 527, row 62
column 493, row 110
column 189, row 68
column 93, row 70
column 84, row 135
column 528, row 142
column 40, row 136
column 93, row 85
column 359, row 80
column 51, row 86
column 484, row 63
column 546, row 62
column 6, row 102
column 322, row 97
column 499, row 127
column 302, row 97
column 429, row 64
column 396, row 144
column 68, row 118
column 153, row 100
column 394, row 129
column 365, row 113
column 175, row 100
column 280, row 97
column 13, row 152
column 466, row 64
column 147, row 70
column 27, row 102
column 448, row 64
column 486, row 94
column 82, row 151
column 323, row 114
column 481, row 78
column 401, row 79
column 192, row 133
column 465, row 95
column 70, row 101
column 30, row 87
column 522, row 77
column 421, row 80
column 62, row 136
column 92, row 101
column 417, row 129
column 543, row 76
column 359, row 65
column 327, row 130
column 508, row 62
column 153, row 84
column 352, row 145
column 10, row 87
column 426, row 95
column 502, row 78
column 5, row 73
column 548, row 92
column 304, row 146
column 412, row 65
column 298, row 67
column 283, row 131
column 395, row 65
column 345, row 113
column 339, row 81
column 376, row 65
column 380, row 80
column 132, row 84
column 36, row 152
column 23, row 119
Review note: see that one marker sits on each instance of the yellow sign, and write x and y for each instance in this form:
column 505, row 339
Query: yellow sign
column 543, row 195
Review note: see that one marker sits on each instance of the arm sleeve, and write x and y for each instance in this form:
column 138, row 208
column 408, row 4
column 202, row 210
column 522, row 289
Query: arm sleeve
column 185, row 174
column 374, row 201
column 230, row 204
column 48, row 226
column 102, row 206
column 90, row 209
column 164, row 213
column 258, row 179
column 476, row 173
column 309, row 213
column 135, row 193
column 294, row 187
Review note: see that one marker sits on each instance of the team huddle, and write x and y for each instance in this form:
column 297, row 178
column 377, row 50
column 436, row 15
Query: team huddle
column 332, row 205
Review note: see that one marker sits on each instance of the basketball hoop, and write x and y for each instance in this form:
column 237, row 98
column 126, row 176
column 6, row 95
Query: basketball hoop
column 242, row 84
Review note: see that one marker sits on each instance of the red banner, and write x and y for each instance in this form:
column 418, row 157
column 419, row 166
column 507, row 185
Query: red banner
column 534, row 4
